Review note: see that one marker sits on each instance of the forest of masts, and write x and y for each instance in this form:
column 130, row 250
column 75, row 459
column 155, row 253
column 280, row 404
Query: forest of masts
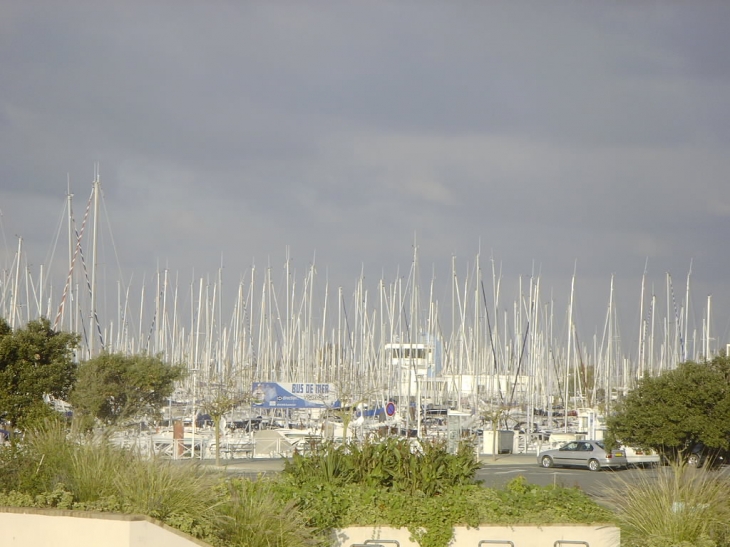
column 284, row 327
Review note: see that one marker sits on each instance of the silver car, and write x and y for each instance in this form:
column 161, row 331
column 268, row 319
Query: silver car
column 590, row 454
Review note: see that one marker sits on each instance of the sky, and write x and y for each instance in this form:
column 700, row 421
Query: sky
column 561, row 140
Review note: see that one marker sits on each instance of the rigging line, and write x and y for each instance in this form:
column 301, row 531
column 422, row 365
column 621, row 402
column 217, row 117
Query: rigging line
column 519, row 361
column 405, row 320
column 553, row 359
column 9, row 288
column 73, row 260
column 85, row 335
column 154, row 317
column 403, row 302
column 347, row 324
column 111, row 236
column 643, row 353
column 247, row 321
column 88, row 285
column 583, row 376
column 677, row 327
column 491, row 338
column 5, row 241
column 49, row 259
column 152, row 325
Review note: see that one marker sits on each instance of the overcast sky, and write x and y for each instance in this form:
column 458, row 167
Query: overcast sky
column 549, row 136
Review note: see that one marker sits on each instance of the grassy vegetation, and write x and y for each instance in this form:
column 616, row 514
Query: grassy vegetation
column 683, row 507
column 424, row 489
column 55, row 468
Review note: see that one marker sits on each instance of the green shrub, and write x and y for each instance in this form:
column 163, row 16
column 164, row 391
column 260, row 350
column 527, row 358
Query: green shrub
column 394, row 464
column 428, row 491
column 431, row 518
column 16, row 468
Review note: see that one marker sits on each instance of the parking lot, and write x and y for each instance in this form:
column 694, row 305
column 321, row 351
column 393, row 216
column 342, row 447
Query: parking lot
column 595, row 484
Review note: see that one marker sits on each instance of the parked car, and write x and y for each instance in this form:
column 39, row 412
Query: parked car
column 700, row 455
column 641, row 457
column 590, row 454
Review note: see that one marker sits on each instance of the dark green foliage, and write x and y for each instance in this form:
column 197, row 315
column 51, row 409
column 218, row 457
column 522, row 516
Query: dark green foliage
column 428, row 491
column 677, row 409
column 395, row 464
column 34, row 361
column 17, row 470
column 113, row 387
column 431, row 519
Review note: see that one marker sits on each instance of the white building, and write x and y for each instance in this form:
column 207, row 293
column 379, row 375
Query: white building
column 412, row 366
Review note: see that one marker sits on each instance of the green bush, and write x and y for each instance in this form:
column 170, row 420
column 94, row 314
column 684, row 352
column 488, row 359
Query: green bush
column 426, row 490
column 431, row 518
column 394, row 464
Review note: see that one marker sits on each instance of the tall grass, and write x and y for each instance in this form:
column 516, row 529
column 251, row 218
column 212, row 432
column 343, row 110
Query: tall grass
column 680, row 506
column 180, row 494
column 94, row 470
column 254, row 516
column 39, row 461
column 55, row 467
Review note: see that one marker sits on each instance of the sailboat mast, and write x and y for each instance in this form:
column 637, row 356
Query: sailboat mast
column 707, row 338
column 16, row 285
column 570, row 340
column 94, row 261
column 642, row 326
column 686, row 314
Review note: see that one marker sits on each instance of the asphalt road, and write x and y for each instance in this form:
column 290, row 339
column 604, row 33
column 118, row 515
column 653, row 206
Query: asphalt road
column 497, row 472
column 599, row 485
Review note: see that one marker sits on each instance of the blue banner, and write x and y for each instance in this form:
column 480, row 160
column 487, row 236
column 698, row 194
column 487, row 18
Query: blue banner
column 294, row 395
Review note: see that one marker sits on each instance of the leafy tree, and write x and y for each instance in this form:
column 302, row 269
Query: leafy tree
column 34, row 361
column 220, row 400
column 678, row 408
column 113, row 387
column 494, row 416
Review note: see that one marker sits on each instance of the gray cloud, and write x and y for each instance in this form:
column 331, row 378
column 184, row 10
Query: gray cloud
column 544, row 135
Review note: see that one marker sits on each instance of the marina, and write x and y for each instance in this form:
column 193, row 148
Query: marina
column 394, row 358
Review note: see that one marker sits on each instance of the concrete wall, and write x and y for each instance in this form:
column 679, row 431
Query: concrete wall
column 27, row 527
column 520, row 536
column 21, row 527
